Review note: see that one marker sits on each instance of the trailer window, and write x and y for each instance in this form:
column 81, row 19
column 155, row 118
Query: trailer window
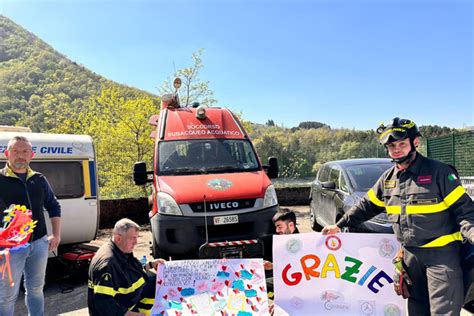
column 65, row 177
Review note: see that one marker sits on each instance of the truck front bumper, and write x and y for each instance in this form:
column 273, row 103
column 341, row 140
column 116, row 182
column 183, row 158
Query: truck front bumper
column 182, row 236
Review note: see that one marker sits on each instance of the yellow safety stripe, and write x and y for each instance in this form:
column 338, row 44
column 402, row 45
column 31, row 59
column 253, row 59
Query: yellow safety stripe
column 374, row 199
column 393, row 209
column 144, row 311
column 454, row 195
column 449, row 200
column 443, row 240
column 148, row 301
column 107, row 290
column 86, row 176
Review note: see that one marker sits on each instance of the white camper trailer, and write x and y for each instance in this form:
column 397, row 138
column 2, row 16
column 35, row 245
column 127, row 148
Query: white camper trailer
column 68, row 162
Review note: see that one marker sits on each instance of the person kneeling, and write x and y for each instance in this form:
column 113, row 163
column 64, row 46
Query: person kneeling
column 118, row 284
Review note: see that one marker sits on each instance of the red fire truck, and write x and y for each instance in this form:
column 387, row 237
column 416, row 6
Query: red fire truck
column 211, row 195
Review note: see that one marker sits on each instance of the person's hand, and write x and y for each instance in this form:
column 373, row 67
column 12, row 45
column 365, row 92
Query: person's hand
column 157, row 262
column 267, row 265
column 330, row 229
column 54, row 241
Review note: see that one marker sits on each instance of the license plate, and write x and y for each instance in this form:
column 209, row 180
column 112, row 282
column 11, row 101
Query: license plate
column 224, row 220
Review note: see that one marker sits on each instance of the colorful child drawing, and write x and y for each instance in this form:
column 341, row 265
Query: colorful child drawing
column 222, row 287
column 14, row 234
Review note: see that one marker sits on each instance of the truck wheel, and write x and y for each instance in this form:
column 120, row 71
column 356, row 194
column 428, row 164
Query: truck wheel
column 312, row 218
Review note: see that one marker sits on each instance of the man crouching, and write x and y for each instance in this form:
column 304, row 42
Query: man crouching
column 118, row 283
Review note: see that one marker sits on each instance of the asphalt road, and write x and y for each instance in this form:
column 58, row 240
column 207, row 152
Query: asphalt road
column 69, row 297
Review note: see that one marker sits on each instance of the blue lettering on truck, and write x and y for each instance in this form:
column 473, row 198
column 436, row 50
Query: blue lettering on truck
column 46, row 150
column 56, row 150
column 4, row 147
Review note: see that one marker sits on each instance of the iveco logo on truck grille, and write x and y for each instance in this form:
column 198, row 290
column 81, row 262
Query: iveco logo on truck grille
column 224, row 205
column 218, row 206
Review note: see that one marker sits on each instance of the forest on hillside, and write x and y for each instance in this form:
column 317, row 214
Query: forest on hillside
column 44, row 90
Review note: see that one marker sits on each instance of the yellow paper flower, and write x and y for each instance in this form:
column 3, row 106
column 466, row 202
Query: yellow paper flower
column 28, row 227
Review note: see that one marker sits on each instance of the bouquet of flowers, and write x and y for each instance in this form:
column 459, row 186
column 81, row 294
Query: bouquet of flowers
column 14, row 234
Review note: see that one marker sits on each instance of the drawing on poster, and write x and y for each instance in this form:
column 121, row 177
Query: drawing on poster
column 346, row 274
column 223, row 287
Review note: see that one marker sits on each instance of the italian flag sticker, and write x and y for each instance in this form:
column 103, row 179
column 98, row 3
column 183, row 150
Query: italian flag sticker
column 452, row 177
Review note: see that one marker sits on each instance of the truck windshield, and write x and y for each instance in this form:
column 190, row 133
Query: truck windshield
column 206, row 156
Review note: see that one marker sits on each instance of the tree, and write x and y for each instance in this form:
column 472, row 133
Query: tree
column 312, row 124
column 117, row 120
column 193, row 89
column 270, row 123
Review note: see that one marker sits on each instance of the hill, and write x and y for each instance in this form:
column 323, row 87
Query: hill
column 38, row 82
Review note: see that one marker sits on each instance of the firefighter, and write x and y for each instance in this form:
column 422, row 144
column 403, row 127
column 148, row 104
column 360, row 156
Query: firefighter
column 430, row 213
column 118, row 283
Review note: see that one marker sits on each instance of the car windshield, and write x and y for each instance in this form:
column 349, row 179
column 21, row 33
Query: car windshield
column 206, row 156
column 363, row 177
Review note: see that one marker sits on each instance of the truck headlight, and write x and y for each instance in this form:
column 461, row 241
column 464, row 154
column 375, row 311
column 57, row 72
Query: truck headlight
column 270, row 197
column 167, row 205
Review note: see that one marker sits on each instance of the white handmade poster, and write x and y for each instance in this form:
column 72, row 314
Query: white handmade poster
column 223, row 287
column 341, row 274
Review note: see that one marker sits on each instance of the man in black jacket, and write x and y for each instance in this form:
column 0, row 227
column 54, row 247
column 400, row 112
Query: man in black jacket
column 20, row 185
column 430, row 212
column 118, row 283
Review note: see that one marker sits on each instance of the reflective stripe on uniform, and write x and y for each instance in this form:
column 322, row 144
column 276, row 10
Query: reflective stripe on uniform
column 374, row 199
column 449, row 200
column 107, row 290
column 452, row 197
column 443, row 240
column 144, row 311
column 148, row 301
column 393, row 209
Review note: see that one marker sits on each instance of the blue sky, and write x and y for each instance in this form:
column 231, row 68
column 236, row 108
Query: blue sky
column 351, row 63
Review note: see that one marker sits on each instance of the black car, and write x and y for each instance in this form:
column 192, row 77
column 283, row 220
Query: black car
column 341, row 184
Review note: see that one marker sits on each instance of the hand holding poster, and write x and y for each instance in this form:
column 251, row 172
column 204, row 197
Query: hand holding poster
column 348, row 274
column 233, row 287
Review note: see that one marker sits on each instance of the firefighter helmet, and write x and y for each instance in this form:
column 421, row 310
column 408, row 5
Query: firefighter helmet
column 398, row 129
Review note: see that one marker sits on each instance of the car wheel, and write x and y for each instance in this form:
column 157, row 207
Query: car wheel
column 312, row 219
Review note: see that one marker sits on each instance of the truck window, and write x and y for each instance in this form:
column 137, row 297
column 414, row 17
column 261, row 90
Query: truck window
column 65, row 177
column 206, row 156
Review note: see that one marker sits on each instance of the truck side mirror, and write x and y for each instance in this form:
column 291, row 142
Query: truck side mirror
column 272, row 170
column 140, row 175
